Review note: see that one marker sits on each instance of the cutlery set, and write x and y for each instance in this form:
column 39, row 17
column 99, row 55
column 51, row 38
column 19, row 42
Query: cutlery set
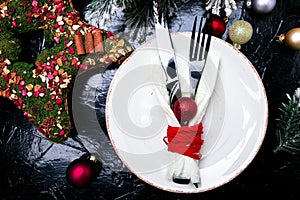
column 198, row 51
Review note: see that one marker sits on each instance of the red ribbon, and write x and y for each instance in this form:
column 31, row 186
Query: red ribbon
column 185, row 140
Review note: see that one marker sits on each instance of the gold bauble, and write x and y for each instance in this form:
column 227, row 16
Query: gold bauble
column 291, row 39
column 240, row 33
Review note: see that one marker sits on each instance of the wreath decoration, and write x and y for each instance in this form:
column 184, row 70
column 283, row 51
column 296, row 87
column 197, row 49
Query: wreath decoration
column 41, row 88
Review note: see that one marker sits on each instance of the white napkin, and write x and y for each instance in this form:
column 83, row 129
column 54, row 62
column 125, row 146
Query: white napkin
column 185, row 166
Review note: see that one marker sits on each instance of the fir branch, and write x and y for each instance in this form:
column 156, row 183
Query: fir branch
column 288, row 133
column 102, row 6
column 168, row 7
column 140, row 14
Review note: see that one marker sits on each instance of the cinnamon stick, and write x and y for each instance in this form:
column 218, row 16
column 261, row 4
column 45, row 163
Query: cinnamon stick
column 79, row 44
column 98, row 41
column 89, row 44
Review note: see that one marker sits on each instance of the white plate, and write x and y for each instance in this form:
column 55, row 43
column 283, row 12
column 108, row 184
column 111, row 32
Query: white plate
column 234, row 124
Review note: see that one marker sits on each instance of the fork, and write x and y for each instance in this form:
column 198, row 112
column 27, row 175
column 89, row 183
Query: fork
column 199, row 48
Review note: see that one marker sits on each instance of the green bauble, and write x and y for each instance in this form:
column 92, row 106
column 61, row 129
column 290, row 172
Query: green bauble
column 240, row 33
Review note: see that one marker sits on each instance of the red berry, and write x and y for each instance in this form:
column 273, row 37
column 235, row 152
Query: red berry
column 185, row 108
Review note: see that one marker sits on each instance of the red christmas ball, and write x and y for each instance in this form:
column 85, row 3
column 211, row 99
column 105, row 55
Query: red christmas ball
column 185, row 108
column 216, row 25
column 79, row 173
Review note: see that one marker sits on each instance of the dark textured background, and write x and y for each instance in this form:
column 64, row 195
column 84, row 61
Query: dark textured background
column 33, row 168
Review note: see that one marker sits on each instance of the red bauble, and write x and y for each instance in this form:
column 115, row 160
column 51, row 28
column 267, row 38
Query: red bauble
column 185, row 108
column 80, row 173
column 216, row 25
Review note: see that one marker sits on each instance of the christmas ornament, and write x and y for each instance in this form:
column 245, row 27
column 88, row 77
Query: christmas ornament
column 215, row 6
column 240, row 33
column 81, row 171
column 215, row 25
column 261, row 6
column 291, row 39
column 185, row 109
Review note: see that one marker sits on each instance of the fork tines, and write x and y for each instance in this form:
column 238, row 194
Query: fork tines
column 196, row 53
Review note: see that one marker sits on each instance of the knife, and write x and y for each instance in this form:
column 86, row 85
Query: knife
column 168, row 62
column 167, row 58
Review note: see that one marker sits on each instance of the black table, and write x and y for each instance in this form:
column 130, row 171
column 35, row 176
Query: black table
column 31, row 167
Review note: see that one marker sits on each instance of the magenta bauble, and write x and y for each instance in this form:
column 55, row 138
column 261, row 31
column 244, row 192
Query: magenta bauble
column 79, row 173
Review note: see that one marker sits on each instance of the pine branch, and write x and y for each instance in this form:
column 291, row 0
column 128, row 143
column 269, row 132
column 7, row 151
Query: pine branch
column 288, row 133
column 102, row 6
column 138, row 13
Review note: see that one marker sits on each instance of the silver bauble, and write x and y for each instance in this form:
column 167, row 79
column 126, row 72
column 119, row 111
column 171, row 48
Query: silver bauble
column 261, row 6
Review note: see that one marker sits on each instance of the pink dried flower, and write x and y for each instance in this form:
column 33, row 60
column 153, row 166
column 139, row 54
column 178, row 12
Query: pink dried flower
column 56, row 25
column 53, row 63
column 14, row 23
column 52, row 96
column 74, row 60
column 55, row 73
column 57, row 39
column 22, row 82
column 42, row 90
column 35, row 10
column 50, row 76
column 34, row 3
column 24, row 92
column 47, row 67
column 60, row 8
column 57, row 1
column 71, row 50
column 61, row 29
column 58, row 101
column 18, row 102
column 50, row 16
column 29, row 20
column 36, row 94
column 65, row 43
column 62, row 132
column 71, row 16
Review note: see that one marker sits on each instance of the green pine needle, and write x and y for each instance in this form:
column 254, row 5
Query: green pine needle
column 138, row 13
column 288, row 133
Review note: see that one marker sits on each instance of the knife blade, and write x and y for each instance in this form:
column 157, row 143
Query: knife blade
column 167, row 59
